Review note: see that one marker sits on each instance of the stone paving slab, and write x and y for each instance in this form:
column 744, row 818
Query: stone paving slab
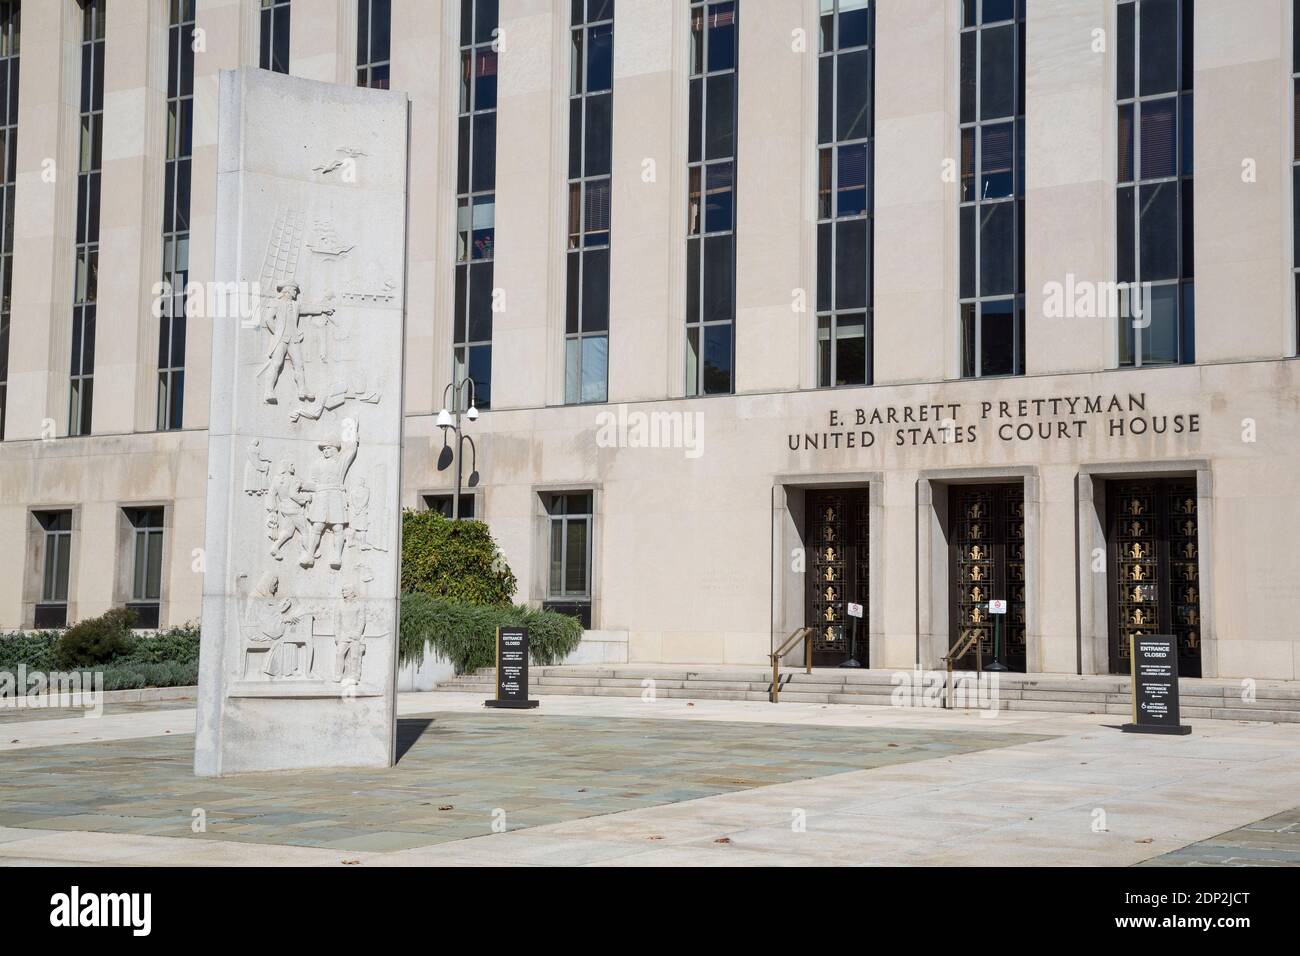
column 460, row 774
column 14, row 715
column 1273, row 841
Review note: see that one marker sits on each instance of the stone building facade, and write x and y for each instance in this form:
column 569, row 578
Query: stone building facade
column 907, row 304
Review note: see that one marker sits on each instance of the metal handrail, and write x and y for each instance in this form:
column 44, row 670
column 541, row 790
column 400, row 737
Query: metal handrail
column 804, row 634
column 960, row 648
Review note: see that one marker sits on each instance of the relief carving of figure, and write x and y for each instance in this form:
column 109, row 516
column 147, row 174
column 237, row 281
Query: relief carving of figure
column 328, row 507
column 359, row 515
column 349, row 636
column 285, row 511
column 257, row 470
column 281, row 319
column 271, row 619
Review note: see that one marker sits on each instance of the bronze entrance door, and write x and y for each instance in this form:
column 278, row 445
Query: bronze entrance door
column 838, row 546
column 986, row 534
column 1154, row 581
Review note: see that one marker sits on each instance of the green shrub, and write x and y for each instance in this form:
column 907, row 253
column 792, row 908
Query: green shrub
column 96, row 640
column 465, row 634
column 178, row 645
column 169, row 658
column 457, row 560
column 35, row 649
column 134, row 675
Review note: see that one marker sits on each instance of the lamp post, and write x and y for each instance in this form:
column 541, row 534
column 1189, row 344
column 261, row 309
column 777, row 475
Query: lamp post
column 462, row 392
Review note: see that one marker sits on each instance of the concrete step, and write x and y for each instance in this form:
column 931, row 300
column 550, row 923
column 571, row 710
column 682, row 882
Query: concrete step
column 1058, row 693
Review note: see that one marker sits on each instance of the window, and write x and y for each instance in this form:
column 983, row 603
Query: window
column 476, row 170
column 56, row 563
column 81, row 381
column 845, row 192
column 146, row 564
column 1154, row 198
column 374, row 29
column 9, row 35
column 443, row 505
column 275, row 36
column 586, row 313
column 711, row 196
column 568, row 581
column 991, row 282
column 176, row 215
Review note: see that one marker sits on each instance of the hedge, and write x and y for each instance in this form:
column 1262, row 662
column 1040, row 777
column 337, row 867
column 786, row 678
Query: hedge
column 457, row 560
column 465, row 634
column 128, row 661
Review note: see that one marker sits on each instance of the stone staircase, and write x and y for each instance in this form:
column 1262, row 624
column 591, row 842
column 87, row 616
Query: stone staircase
column 1200, row 698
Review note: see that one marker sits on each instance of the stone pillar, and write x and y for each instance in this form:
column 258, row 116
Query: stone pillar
column 1069, row 190
column 45, row 211
column 299, row 605
column 776, row 188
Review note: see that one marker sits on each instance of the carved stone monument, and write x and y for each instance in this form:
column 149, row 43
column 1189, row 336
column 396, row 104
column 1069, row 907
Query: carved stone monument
column 298, row 660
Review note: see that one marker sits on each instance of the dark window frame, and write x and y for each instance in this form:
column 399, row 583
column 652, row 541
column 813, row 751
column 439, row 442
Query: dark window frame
column 10, row 44
column 374, row 64
column 587, row 250
column 275, row 19
column 56, row 529
column 837, row 323
column 85, row 292
column 1132, row 185
column 976, row 209
column 472, row 322
column 173, row 320
column 703, row 332
column 559, row 515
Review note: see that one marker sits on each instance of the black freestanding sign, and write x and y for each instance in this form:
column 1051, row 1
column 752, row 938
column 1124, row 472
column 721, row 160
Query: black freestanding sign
column 1154, row 660
column 512, row 669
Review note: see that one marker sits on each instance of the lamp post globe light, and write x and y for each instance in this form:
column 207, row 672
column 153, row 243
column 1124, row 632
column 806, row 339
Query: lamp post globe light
column 462, row 394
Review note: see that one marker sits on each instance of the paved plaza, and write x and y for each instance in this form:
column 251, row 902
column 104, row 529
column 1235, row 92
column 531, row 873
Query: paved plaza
column 623, row 781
